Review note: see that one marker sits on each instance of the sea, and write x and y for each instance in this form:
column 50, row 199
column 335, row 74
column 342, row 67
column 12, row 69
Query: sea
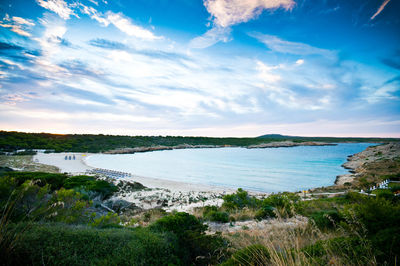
column 263, row 170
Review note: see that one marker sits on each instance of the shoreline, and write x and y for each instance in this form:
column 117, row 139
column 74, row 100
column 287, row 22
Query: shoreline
column 356, row 162
column 274, row 144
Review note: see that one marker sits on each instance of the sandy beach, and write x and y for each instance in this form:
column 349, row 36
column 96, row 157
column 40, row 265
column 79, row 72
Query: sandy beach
column 79, row 166
column 76, row 166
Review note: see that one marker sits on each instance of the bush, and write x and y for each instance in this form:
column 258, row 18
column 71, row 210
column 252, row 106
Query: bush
column 283, row 203
column 211, row 213
column 55, row 181
column 265, row 212
column 251, row 255
column 326, row 219
column 239, row 200
column 90, row 183
column 194, row 245
column 379, row 219
column 56, row 244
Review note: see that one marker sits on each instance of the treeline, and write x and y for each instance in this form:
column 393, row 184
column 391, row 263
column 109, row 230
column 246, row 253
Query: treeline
column 278, row 137
column 11, row 141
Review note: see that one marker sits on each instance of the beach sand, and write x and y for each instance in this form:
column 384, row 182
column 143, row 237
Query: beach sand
column 76, row 166
column 79, row 166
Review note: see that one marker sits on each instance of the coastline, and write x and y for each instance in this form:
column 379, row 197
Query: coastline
column 356, row 163
column 275, row 144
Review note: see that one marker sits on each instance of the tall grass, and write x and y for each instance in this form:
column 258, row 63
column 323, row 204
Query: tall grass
column 300, row 244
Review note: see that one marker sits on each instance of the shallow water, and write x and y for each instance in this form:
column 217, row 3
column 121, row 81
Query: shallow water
column 265, row 170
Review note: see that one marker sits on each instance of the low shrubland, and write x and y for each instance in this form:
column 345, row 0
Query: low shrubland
column 50, row 219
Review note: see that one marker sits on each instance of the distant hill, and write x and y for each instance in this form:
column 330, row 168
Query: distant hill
column 279, row 137
column 276, row 136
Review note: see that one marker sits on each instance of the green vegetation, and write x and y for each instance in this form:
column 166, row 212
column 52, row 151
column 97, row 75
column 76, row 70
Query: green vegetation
column 90, row 183
column 59, row 244
column 11, row 141
column 326, row 139
column 80, row 183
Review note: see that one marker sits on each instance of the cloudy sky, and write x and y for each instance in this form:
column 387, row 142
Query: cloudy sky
column 193, row 67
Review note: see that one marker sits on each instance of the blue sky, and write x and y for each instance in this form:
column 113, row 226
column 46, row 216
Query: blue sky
column 209, row 68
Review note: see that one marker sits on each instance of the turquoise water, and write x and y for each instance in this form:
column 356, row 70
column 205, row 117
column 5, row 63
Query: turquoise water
column 265, row 170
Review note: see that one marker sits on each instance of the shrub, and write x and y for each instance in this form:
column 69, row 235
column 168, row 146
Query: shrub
column 379, row 219
column 326, row 219
column 68, row 206
column 239, row 200
column 90, row 183
column 57, row 244
column 251, row 255
column 211, row 213
column 107, row 221
column 194, row 245
column 55, row 181
column 265, row 212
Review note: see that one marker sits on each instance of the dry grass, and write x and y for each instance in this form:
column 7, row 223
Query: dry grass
column 242, row 214
column 25, row 163
column 285, row 245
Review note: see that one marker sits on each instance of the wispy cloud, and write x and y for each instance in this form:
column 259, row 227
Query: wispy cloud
column 125, row 25
column 59, row 7
column 121, row 22
column 380, row 9
column 107, row 44
column 17, row 24
column 282, row 46
column 211, row 37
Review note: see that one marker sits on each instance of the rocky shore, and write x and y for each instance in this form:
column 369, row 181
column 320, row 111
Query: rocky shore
column 358, row 162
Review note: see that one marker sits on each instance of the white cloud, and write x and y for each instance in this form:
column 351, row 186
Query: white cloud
column 121, row 22
column 282, row 46
column 126, row 26
column 211, row 37
column 17, row 24
column 59, row 7
column 230, row 12
column 23, row 21
column 300, row 62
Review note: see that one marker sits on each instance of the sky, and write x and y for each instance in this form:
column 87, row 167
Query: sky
column 240, row 68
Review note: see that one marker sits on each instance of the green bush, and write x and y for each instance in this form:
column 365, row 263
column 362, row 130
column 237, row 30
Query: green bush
column 379, row 219
column 211, row 213
column 326, row 219
column 55, row 181
column 239, row 200
column 195, row 247
column 57, row 244
column 265, row 212
column 251, row 255
column 90, row 183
